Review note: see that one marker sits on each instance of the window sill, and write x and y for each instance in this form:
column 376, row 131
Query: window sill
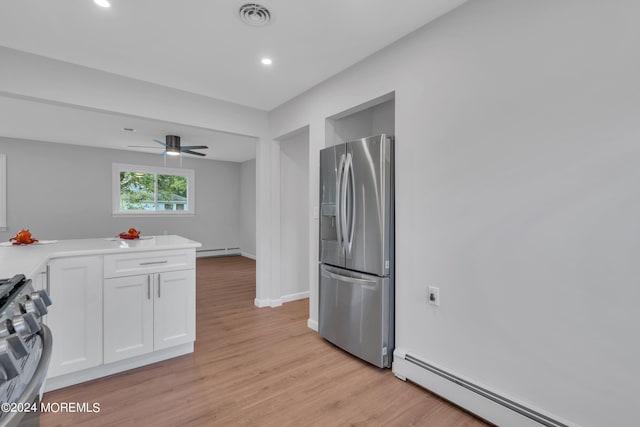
column 151, row 214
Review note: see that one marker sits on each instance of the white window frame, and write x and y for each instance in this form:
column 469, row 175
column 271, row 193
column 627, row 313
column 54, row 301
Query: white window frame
column 115, row 187
column 3, row 192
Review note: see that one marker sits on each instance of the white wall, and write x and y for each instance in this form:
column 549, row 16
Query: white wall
column 248, row 208
column 383, row 118
column 350, row 127
column 294, row 214
column 372, row 120
column 516, row 193
column 62, row 191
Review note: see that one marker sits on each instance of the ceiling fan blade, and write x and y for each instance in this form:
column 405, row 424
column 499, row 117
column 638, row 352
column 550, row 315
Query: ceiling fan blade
column 193, row 152
column 194, row 147
column 160, row 142
column 143, row 146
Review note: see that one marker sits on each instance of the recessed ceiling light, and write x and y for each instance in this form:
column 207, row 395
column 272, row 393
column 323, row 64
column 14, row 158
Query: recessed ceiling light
column 266, row 61
column 102, row 3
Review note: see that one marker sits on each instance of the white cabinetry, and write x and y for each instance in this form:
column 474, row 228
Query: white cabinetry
column 148, row 262
column 150, row 311
column 174, row 311
column 39, row 279
column 140, row 292
column 75, row 317
column 128, row 317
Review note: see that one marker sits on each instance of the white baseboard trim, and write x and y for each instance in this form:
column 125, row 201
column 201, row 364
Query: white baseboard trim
column 115, row 367
column 277, row 302
column 261, row 303
column 465, row 394
column 248, row 255
column 312, row 324
column 294, row 297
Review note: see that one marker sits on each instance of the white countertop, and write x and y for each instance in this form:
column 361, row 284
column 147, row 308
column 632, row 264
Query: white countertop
column 29, row 259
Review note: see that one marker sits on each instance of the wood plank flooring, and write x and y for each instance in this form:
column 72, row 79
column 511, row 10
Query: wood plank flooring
column 254, row 367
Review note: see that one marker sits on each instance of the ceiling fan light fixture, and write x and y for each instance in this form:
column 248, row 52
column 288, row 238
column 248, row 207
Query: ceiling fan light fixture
column 173, row 145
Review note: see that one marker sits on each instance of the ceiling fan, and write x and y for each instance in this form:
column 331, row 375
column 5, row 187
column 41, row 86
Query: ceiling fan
column 173, row 147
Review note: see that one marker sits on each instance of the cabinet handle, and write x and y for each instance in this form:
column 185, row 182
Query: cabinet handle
column 148, row 286
column 159, row 282
column 48, row 279
column 153, row 262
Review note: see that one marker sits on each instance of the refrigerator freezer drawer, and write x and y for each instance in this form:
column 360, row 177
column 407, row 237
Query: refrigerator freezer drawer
column 355, row 311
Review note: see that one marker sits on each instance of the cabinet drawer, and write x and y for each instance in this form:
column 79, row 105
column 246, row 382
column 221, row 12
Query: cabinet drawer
column 148, row 262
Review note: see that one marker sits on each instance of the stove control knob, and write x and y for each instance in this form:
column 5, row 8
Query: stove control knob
column 41, row 300
column 44, row 296
column 35, row 306
column 8, row 363
column 17, row 345
column 25, row 324
column 4, row 330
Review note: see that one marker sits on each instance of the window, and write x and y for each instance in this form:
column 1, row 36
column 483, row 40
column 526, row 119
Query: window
column 3, row 192
column 148, row 190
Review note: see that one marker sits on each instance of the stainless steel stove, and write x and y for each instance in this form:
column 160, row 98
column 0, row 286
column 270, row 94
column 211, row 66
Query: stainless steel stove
column 25, row 351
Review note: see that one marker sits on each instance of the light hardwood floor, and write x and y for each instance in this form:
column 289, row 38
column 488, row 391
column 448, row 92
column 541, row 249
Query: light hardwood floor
column 254, row 367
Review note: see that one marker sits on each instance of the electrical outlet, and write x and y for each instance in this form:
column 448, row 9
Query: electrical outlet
column 434, row 296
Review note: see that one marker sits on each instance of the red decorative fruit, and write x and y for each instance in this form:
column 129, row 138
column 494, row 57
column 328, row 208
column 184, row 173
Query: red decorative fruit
column 23, row 238
column 131, row 234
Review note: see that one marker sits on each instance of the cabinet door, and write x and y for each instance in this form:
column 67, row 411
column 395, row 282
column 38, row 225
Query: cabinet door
column 75, row 317
column 39, row 279
column 175, row 309
column 40, row 282
column 128, row 317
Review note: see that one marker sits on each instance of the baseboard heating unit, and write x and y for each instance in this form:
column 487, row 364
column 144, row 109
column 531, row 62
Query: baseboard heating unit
column 210, row 253
column 486, row 404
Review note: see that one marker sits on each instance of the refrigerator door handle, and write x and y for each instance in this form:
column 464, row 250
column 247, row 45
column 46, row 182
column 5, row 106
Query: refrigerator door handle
column 352, row 182
column 343, row 201
column 338, row 201
column 369, row 283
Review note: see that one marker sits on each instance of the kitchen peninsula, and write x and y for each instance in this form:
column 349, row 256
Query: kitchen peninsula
column 117, row 304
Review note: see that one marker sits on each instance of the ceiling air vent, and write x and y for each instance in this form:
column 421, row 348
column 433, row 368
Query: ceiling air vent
column 254, row 14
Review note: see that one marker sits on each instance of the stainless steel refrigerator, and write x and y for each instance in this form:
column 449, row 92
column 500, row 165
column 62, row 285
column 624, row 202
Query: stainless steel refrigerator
column 356, row 309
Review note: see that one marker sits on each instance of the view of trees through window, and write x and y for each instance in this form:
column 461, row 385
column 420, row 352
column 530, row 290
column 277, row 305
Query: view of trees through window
column 141, row 191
